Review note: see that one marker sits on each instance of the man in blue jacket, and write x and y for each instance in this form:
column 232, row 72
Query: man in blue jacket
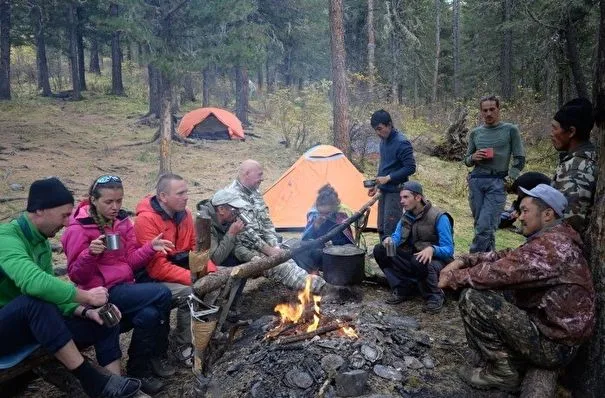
column 424, row 244
column 397, row 163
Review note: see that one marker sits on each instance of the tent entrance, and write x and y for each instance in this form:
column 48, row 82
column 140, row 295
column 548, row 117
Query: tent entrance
column 210, row 129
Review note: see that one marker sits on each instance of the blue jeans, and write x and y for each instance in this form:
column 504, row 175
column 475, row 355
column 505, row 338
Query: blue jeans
column 487, row 198
column 406, row 275
column 26, row 320
column 144, row 307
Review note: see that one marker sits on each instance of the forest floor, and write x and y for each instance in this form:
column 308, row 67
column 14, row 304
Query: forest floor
column 78, row 141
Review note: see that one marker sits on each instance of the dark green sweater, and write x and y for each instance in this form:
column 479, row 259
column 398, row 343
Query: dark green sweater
column 506, row 141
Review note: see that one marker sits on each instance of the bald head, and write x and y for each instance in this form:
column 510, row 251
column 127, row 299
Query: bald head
column 250, row 174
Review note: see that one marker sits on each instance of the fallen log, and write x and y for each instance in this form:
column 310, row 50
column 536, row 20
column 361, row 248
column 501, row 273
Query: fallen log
column 330, row 327
column 256, row 267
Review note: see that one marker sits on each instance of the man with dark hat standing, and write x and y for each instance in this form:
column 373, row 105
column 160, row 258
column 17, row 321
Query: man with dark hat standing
column 43, row 309
column 424, row 244
column 576, row 174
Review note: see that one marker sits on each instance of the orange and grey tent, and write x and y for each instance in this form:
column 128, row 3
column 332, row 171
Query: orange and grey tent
column 211, row 124
column 294, row 193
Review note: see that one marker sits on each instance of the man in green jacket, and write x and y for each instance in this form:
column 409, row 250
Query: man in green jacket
column 37, row 307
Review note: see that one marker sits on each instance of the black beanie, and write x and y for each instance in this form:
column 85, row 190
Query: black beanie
column 48, row 193
column 578, row 113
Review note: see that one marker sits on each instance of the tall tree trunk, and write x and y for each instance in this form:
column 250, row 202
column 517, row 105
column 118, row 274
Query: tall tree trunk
column 206, row 86
column 73, row 51
column 259, row 79
column 371, row 48
column 81, row 63
column 241, row 95
column 339, row 77
column 506, row 56
column 5, row 50
column 188, row 92
column 456, row 47
column 437, row 49
column 573, row 56
column 594, row 366
column 166, row 124
column 41, row 60
column 117, row 88
column 155, row 91
column 94, row 66
column 270, row 72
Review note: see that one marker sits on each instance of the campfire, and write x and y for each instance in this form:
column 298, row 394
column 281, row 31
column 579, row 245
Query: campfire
column 304, row 320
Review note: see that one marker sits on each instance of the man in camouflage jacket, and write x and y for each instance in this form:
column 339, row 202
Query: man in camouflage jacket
column 259, row 237
column 531, row 305
column 576, row 174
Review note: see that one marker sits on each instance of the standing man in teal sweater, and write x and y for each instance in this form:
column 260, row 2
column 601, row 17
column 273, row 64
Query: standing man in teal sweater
column 38, row 308
column 490, row 149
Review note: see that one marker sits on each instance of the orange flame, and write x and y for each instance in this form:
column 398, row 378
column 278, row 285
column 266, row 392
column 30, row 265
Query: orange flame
column 349, row 332
column 315, row 324
column 293, row 313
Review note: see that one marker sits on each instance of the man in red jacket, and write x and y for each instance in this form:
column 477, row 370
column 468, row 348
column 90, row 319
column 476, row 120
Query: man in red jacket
column 166, row 213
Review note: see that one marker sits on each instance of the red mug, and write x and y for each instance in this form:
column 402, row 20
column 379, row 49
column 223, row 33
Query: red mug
column 489, row 153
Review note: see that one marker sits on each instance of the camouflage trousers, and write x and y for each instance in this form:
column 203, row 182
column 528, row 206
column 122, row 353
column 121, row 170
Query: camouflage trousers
column 497, row 329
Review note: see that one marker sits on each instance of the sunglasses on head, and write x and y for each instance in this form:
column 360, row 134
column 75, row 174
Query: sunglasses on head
column 105, row 180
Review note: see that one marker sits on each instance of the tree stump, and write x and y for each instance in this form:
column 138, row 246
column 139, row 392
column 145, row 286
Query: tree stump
column 456, row 142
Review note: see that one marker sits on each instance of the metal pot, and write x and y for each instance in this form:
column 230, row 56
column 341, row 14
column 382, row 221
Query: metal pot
column 343, row 265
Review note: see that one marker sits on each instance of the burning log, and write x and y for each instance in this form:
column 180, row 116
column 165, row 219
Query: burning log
column 256, row 267
column 330, row 327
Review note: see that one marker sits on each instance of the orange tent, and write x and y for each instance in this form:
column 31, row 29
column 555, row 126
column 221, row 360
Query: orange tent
column 294, row 193
column 211, row 123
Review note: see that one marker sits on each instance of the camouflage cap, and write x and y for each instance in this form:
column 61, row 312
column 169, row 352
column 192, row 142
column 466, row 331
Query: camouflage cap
column 228, row 197
column 553, row 198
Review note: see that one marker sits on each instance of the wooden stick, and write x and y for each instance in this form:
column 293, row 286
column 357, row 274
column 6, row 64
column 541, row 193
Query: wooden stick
column 256, row 267
column 308, row 335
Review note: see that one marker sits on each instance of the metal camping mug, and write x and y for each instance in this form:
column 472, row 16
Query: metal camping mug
column 390, row 246
column 112, row 242
column 245, row 219
column 109, row 315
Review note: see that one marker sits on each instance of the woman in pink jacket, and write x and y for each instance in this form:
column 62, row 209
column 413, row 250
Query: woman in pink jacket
column 145, row 306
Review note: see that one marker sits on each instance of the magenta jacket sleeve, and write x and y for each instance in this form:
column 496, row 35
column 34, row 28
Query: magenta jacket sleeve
column 81, row 264
column 137, row 256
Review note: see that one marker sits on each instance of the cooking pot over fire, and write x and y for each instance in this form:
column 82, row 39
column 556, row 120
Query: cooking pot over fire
column 343, row 265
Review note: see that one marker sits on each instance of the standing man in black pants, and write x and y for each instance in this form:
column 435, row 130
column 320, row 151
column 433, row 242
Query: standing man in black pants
column 397, row 163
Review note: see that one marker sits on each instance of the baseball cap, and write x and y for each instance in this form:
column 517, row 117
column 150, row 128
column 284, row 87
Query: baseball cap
column 552, row 197
column 228, row 197
column 413, row 186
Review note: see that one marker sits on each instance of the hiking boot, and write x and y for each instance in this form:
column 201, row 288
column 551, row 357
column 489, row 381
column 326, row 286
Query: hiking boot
column 162, row 367
column 183, row 354
column 397, row 298
column 120, row 387
column 433, row 306
column 151, row 385
column 498, row 375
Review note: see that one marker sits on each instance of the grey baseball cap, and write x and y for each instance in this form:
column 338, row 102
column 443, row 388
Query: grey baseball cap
column 413, row 186
column 228, row 197
column 552, row 197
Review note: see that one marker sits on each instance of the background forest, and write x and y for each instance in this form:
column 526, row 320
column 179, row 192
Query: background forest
column 90, row 86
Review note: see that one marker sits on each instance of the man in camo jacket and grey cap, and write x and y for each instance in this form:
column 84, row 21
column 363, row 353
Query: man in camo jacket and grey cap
column 576, row 174
column 259, row 237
